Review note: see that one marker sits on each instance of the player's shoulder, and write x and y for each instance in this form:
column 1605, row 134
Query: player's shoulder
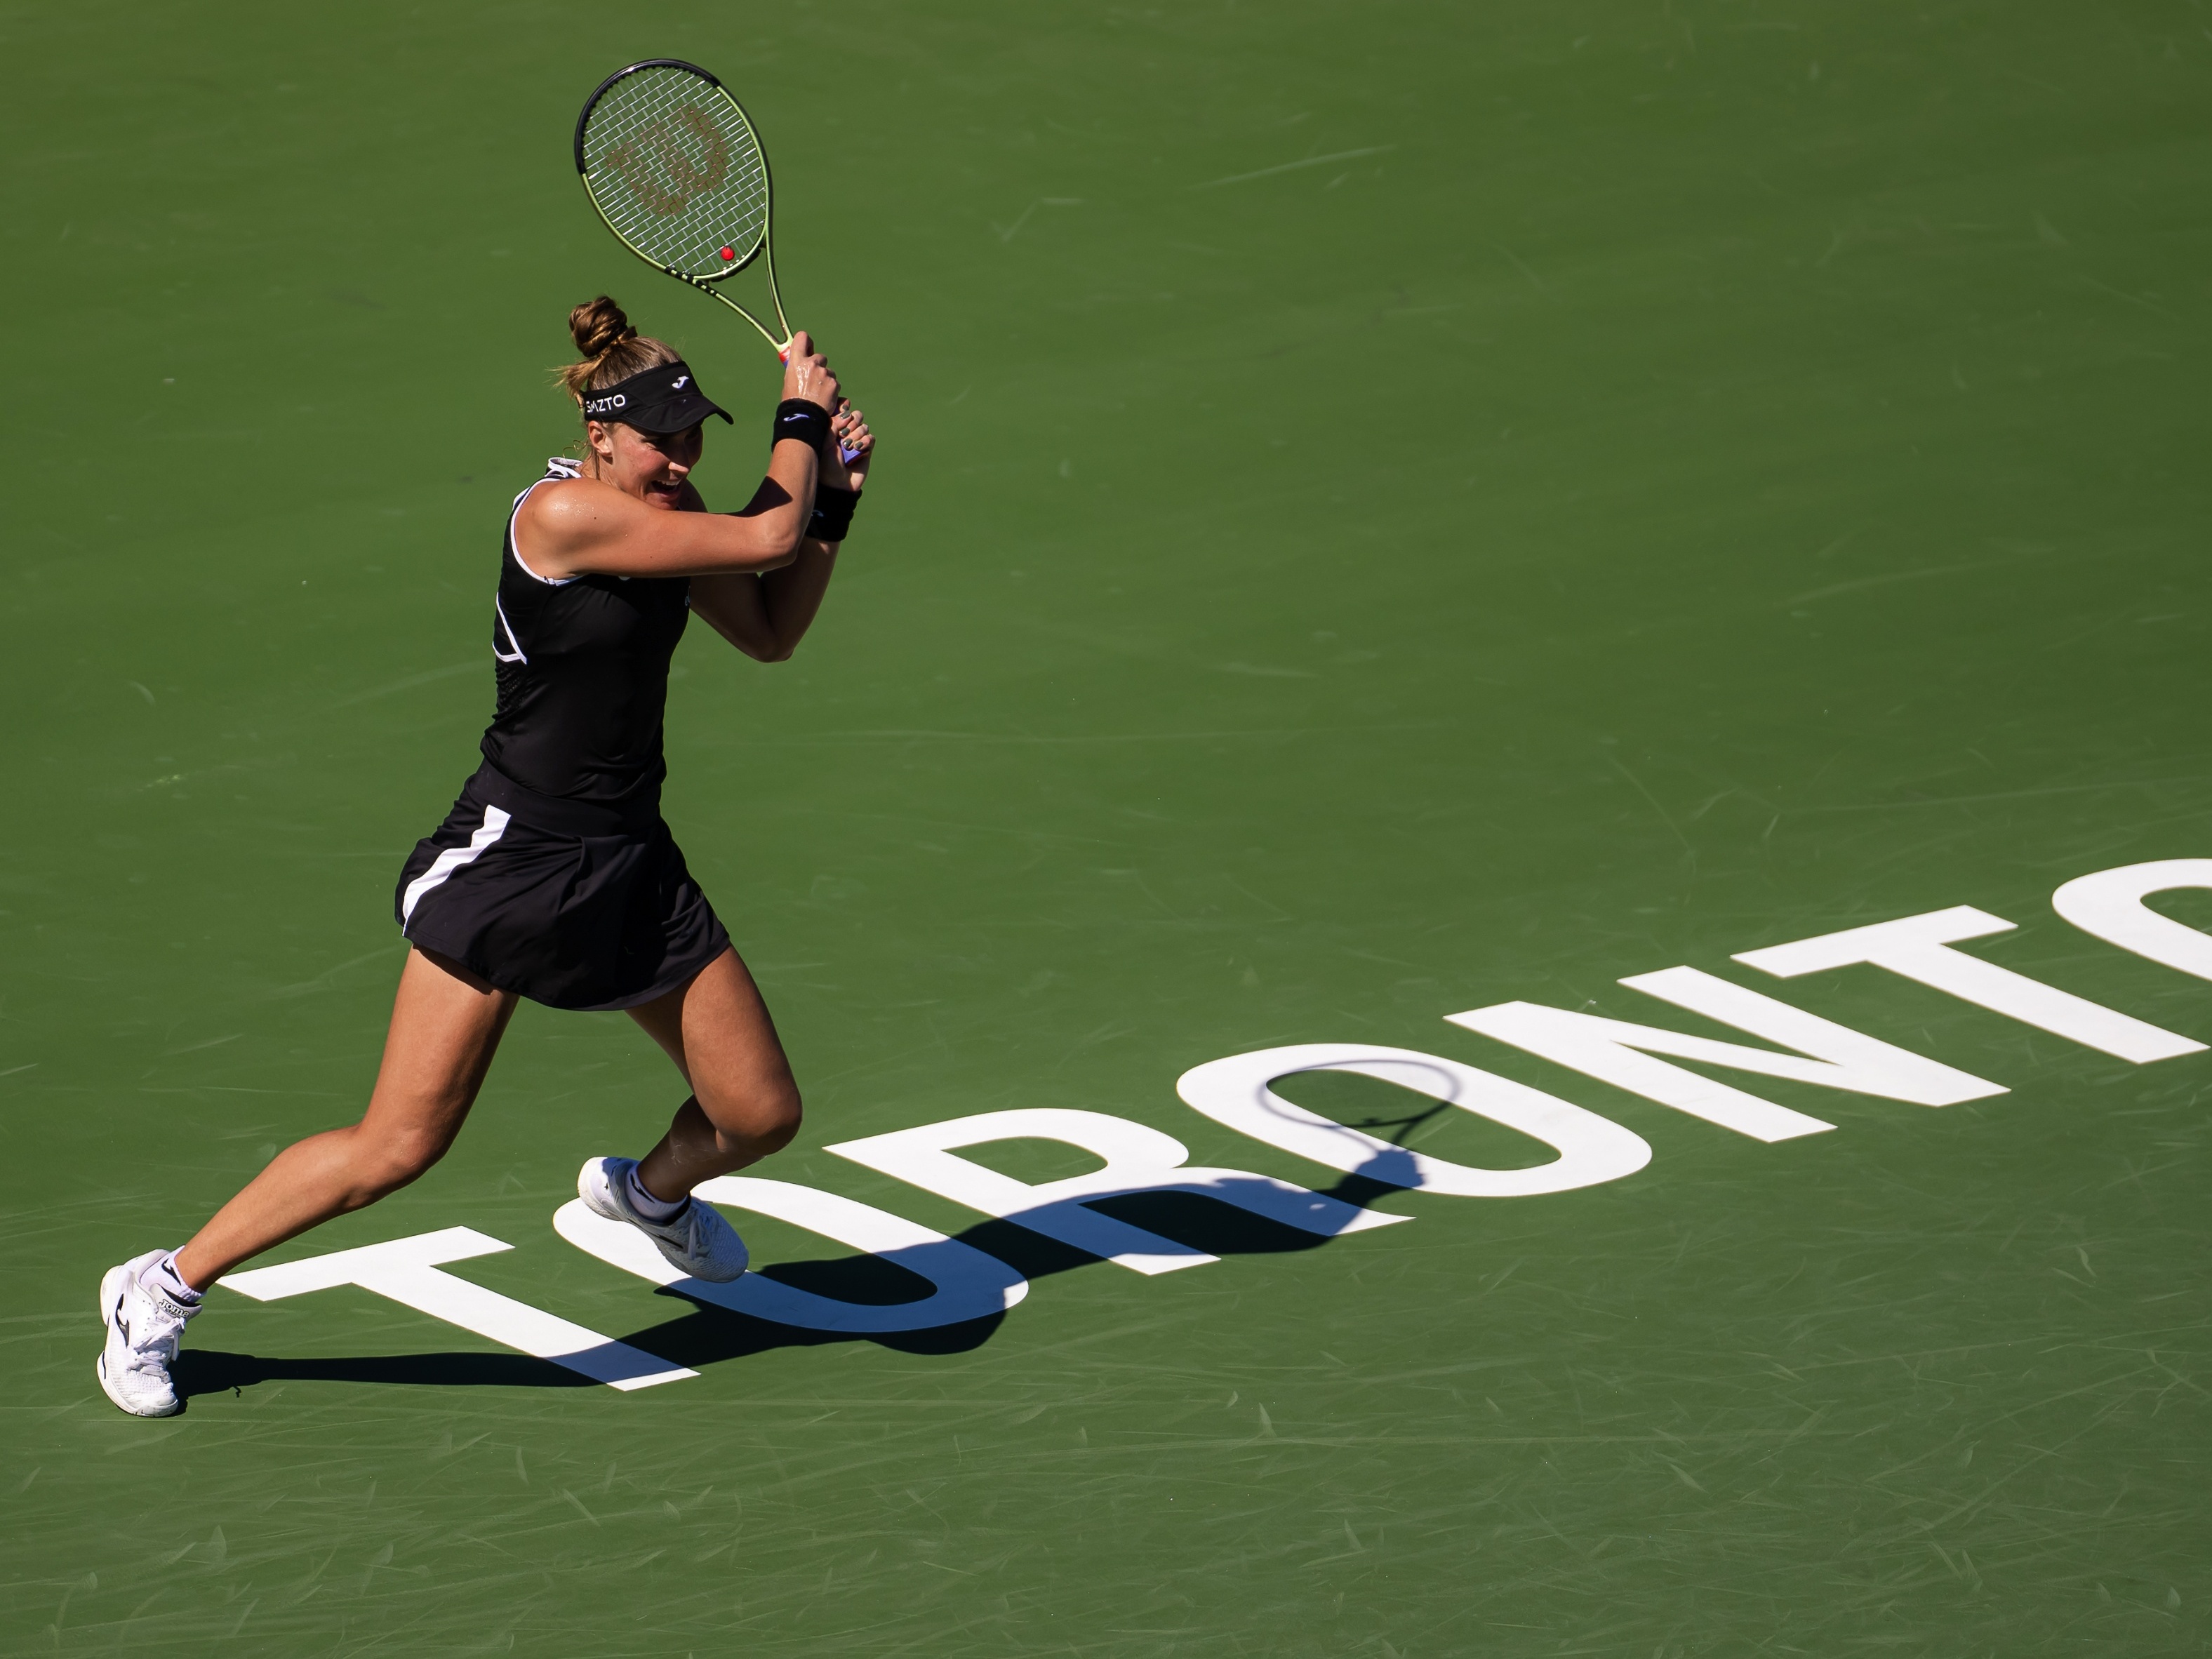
column 562, row 474
column 564, row 490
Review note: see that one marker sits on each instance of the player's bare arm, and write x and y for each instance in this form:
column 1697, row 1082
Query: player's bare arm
column 766, row 616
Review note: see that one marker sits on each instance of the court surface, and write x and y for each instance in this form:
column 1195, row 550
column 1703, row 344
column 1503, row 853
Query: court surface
column 1384, row 512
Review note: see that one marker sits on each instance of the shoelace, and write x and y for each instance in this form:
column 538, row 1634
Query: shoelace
column 156, row 1342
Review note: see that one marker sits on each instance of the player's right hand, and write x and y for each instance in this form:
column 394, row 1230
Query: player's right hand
column 807, row 374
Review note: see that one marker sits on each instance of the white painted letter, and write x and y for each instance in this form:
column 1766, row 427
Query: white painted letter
column 1138, row 1159
column 2109, row 905
column 1234, row 1091
column 1919, row 948
column 1609, row 1049
column 406, row 1271
column 969, row 1285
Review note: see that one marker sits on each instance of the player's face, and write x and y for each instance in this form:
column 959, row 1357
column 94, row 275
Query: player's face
column 651, row 465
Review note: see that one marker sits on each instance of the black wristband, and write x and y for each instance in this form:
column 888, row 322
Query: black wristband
column 795, row 417
column 833, row 514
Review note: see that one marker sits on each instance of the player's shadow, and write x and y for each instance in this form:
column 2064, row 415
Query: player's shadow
column 709, row 1335
column 212, row 1370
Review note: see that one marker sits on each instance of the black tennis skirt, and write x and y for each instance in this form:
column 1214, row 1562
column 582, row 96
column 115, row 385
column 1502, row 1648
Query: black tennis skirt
column 569, row 903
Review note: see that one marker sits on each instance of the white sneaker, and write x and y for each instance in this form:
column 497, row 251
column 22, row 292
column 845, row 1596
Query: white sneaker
column 142, row 1329
column 698, row 1240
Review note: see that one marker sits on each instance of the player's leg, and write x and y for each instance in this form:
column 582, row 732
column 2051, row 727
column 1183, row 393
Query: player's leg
column 744, row 1106
column 744, row 1103
column 446, row 1026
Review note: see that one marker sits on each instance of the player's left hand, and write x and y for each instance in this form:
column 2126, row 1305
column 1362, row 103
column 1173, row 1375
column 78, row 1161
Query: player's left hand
column 846, row 466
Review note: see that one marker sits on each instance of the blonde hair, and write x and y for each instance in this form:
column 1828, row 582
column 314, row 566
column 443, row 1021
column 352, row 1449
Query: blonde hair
column 612, row 350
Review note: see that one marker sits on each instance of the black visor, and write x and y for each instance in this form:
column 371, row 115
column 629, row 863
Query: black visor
column 666, row 399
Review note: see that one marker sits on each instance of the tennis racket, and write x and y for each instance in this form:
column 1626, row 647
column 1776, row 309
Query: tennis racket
column 673, row 165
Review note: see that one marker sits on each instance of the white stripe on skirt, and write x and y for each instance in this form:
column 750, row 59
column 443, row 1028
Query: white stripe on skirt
column 442, row 866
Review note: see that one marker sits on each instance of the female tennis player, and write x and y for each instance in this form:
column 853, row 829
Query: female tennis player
column 554, row 878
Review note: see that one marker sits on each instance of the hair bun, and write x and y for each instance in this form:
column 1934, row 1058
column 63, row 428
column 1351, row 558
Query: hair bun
column 612, row 350
column 598, row 327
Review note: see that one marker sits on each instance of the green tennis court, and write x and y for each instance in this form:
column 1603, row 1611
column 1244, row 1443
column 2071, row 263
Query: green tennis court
column 1385, row 512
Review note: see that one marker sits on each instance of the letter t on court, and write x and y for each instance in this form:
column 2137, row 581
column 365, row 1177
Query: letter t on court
column 406, row 1270
column 1919, row 948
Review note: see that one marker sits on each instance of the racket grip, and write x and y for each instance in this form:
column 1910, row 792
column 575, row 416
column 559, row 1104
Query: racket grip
column 848, row 456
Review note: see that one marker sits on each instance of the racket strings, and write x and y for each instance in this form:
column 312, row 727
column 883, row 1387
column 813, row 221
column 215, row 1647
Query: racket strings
column 677, row 171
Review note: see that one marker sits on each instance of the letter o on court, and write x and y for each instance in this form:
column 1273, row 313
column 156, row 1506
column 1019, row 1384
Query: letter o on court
column 2109, row 904
column 1236, row 1092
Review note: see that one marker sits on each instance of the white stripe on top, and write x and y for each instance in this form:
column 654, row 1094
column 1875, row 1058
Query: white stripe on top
column 452, row 859
column 557, row 466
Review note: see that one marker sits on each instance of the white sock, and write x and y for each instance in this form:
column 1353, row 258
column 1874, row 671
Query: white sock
column 658, row 1211
column 163, row 1276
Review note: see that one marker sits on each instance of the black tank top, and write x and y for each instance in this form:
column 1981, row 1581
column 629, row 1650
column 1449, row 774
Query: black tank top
column 583, row 674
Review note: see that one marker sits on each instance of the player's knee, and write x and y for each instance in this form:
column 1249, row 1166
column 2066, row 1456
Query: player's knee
column 780, row 1117
column 396, row 1161
column 755, row 1121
